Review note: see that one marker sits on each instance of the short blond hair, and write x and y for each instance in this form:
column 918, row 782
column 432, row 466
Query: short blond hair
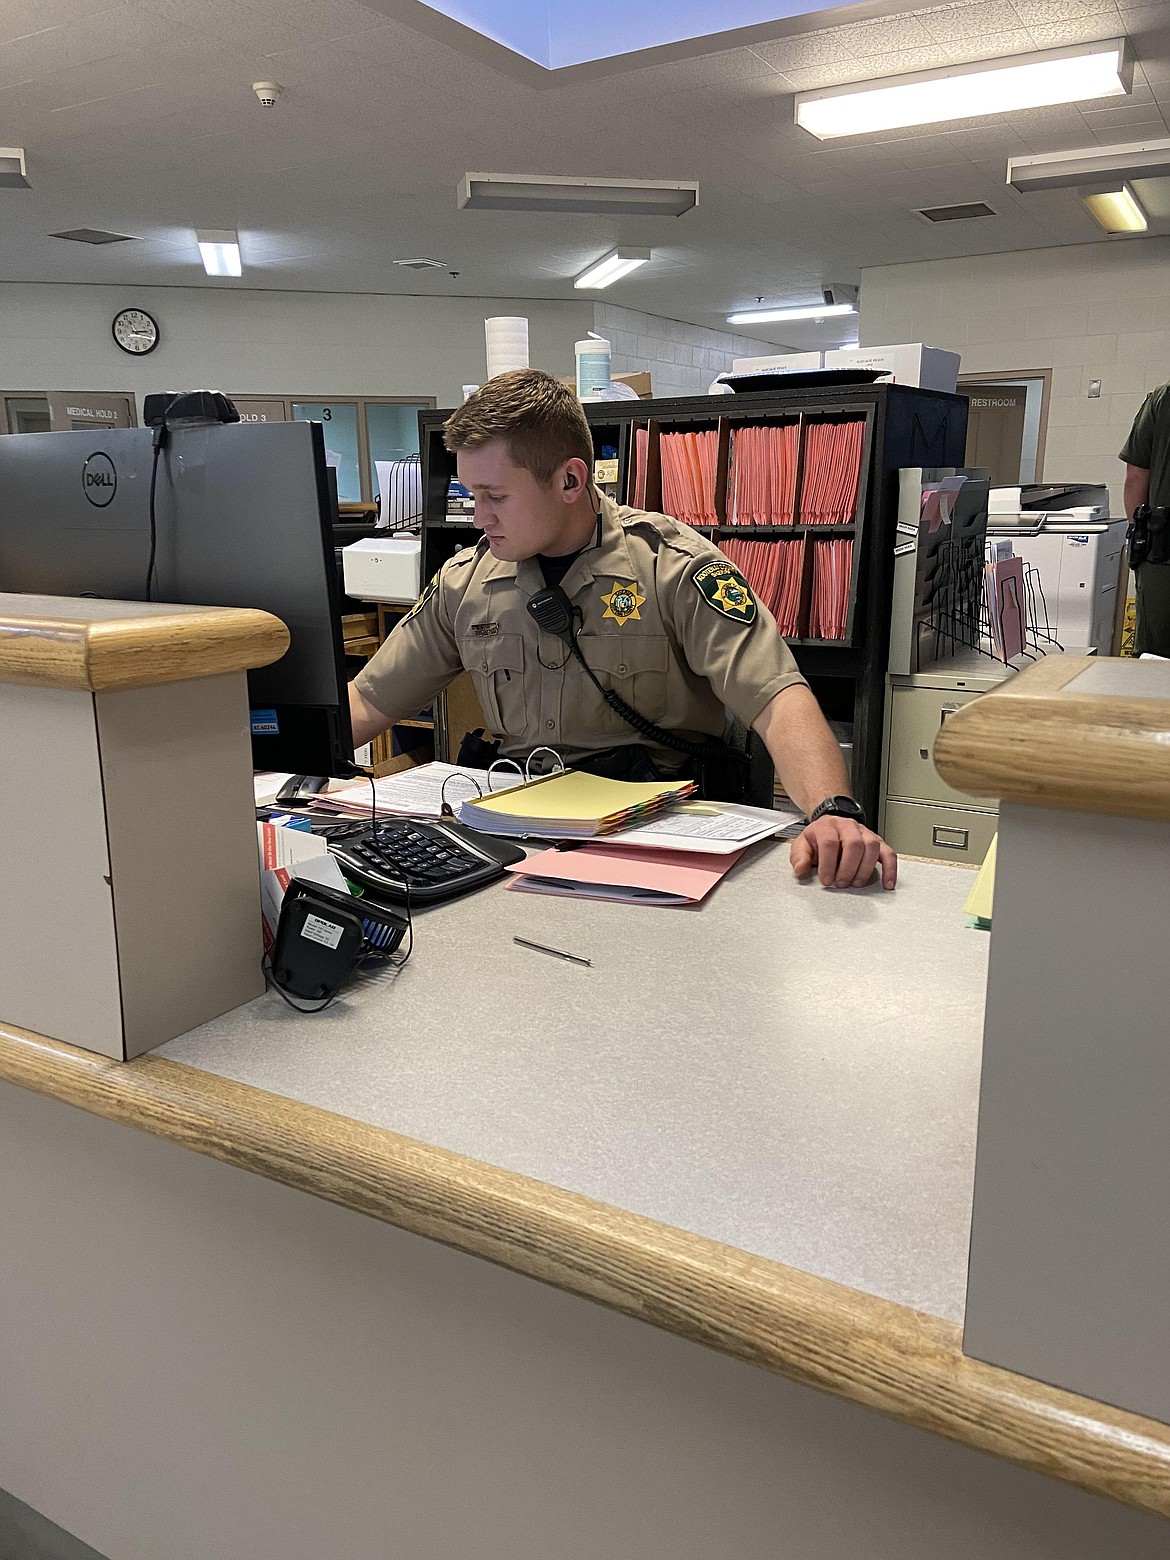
column 540, row 421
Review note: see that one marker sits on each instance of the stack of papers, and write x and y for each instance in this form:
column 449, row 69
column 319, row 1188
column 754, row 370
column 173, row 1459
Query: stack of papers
column 773, row 570
column 689, row 462
column 828, row 612
column 618, row 872
column 416, row 793
column 980, row 899
column 763, row 475
column 832, row 470
column 708, row 828
column 641, row 463
column 571, row 806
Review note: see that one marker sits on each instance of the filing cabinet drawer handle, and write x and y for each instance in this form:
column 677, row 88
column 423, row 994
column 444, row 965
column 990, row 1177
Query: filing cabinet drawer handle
column 947, row 709
column 949, row 837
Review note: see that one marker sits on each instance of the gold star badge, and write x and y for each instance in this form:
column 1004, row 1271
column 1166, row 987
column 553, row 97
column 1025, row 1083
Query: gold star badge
column 732, row 596
column 623, row 602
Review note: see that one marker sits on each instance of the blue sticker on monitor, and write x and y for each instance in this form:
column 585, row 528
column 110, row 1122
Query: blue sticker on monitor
column 265, row 723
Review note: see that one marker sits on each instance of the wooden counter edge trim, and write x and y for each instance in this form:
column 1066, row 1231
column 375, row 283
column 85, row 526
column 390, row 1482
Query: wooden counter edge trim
column 1054, row 749
column 137, row 652
column 869, row 1351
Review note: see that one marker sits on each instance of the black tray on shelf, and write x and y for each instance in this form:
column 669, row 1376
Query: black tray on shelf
column 802, row 379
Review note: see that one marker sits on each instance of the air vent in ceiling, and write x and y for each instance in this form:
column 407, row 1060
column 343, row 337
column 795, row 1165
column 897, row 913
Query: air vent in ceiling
column 423, row 265
column 94, row 236
column 961, row 213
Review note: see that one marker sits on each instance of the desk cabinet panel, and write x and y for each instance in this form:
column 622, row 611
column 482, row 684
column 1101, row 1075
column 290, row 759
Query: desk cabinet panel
column 916, row 717
column 945, row 833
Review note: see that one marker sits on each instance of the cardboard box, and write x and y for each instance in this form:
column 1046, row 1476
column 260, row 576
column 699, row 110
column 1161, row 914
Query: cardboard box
column 638, row 382
column 907, row 363
column 783, row 362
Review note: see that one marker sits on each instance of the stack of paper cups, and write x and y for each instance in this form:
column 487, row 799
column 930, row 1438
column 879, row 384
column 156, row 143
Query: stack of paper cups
column 507, row 344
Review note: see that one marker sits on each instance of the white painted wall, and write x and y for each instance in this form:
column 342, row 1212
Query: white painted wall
column 683, row 359
column 252, row 342
column 1087, row 311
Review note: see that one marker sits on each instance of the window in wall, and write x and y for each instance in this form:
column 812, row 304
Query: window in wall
column 339, row 422
column 26, row 414
column 359, row 431
column 391, row 434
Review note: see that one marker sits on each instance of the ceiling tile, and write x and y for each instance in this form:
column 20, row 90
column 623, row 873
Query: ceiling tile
column 974, row 20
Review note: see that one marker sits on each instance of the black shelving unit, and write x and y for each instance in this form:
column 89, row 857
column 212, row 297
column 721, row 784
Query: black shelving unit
column 904, row 426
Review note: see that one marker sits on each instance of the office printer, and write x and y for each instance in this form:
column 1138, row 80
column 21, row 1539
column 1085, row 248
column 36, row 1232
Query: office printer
column 1045, row 505
column 1064, row 531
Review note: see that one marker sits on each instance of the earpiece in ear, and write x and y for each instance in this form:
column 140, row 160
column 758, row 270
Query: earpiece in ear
column 570, row 481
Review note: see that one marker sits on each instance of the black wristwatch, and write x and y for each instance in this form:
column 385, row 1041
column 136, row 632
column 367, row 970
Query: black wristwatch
column 839, row 807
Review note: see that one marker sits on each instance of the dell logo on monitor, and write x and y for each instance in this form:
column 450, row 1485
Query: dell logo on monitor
column 99, row 480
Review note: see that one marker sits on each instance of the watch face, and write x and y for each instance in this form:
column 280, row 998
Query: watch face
column 135, row 331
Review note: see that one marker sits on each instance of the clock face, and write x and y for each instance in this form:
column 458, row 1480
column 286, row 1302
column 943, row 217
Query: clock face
column 135, row 331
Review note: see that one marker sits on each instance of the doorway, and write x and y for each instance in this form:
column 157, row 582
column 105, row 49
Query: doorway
column 1006, row 424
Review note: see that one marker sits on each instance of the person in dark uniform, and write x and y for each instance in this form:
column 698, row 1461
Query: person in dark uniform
column 664, row 619
column 1147, row 481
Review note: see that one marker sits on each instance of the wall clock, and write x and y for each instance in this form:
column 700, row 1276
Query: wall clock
column 135, row 331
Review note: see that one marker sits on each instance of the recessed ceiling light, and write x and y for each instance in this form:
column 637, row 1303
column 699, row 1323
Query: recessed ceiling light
column 1071, row 75
column 94, row 236
column 13, row 175
column 1117, row 211
column 612, row 267
column 1090, row 164
column 596, row 197
column 808, row 311
column 220, row 251
column 422, row 265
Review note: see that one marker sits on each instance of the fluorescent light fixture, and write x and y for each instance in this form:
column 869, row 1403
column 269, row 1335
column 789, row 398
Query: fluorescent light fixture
column 13, row 174
column 612, row 267
column 1089, row 165
column 220, row 250
column 810, row 311
column 593, row 197
column 1117, row 211
column 1070, row 75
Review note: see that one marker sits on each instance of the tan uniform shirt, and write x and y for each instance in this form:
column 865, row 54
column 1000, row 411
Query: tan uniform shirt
column 668, row 622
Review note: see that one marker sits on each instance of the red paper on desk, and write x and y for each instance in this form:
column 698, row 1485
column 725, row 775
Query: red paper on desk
column 625, row 874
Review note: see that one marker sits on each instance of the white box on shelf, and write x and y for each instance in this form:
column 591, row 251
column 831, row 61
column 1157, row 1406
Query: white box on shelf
column 906, row 363
column 784, row 363
column 377, row 570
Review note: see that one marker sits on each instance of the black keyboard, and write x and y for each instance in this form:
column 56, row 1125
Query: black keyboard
column 434, row 861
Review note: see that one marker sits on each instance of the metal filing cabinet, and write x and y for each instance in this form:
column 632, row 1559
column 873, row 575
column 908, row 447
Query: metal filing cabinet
column 921, row 815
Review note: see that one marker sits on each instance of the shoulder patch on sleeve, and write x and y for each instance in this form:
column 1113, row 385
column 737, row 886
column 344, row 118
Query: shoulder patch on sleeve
column 723, row 587
column 427, row 593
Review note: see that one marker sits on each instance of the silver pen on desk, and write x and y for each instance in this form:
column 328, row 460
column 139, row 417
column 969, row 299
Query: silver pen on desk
column 557, row 953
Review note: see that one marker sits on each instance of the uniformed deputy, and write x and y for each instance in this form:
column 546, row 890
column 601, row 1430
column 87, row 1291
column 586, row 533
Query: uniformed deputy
column 664, row 619
column 1147, row 481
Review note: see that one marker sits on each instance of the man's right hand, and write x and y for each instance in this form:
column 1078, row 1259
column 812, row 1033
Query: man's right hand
column 367, row 722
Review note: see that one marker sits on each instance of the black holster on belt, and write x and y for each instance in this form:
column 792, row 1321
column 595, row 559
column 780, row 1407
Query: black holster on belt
column 1149, row 536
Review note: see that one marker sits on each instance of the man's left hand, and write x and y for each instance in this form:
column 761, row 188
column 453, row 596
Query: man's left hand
column 843, row 854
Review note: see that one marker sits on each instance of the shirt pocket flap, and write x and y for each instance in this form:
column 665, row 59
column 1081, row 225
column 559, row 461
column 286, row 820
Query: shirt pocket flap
column 495, row 653
column 623, row 656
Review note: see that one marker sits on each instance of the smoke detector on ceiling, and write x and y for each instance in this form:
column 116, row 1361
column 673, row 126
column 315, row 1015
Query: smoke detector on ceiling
column 267, row 92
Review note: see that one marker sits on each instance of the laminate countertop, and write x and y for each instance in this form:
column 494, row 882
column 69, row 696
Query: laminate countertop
column 789, row 1070
column 751, row 1124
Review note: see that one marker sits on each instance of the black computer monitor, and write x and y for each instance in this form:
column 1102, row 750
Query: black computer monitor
column 243, row 519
